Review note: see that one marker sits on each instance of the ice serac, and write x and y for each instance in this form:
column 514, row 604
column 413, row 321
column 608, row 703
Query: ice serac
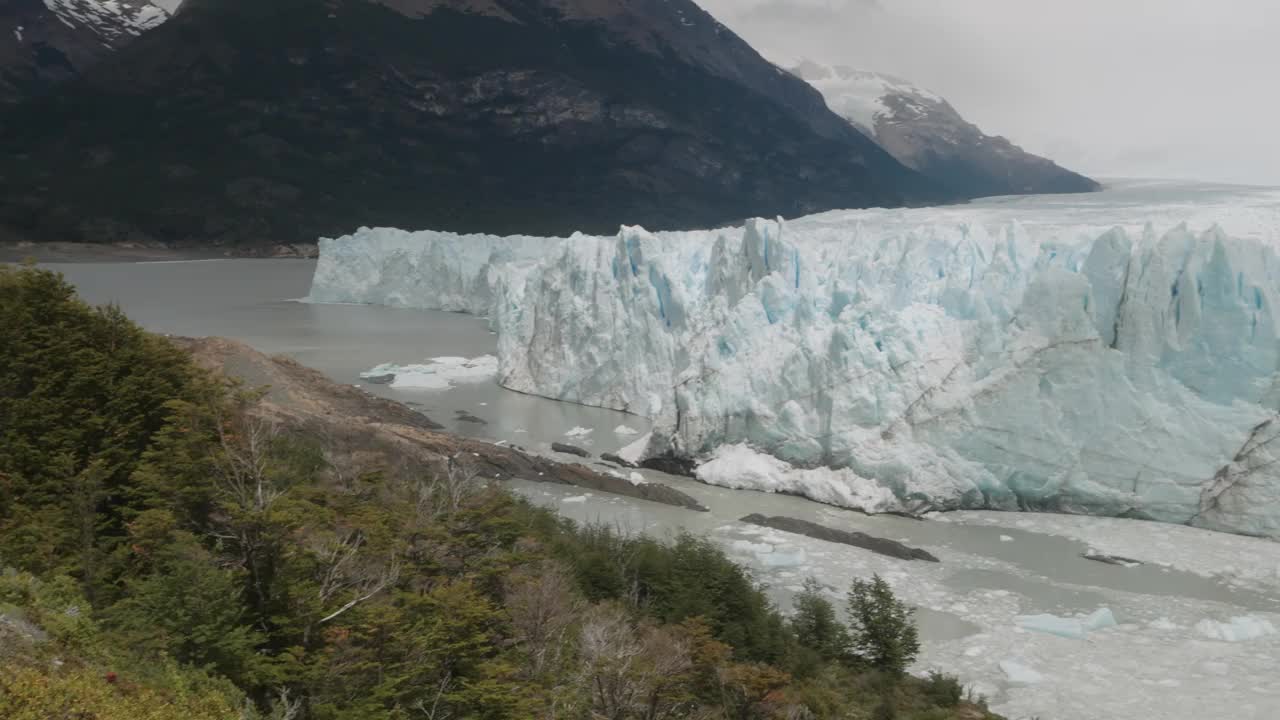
column 1069, row 358
column 437, row 270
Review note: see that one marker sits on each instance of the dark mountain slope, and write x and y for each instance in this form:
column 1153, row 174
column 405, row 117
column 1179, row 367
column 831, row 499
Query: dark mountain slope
column 246, row 122
column 46, row 42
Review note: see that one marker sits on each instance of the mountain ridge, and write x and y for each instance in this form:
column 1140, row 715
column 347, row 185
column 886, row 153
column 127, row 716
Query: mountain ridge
column 239, row 123
column 923, row 131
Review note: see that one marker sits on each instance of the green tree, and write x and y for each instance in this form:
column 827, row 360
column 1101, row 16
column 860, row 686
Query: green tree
column 186, row 606
column 883, row 633
column 82, row 393
column 815, row 625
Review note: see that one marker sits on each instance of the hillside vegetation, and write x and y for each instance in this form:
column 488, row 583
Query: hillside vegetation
column 167, row 555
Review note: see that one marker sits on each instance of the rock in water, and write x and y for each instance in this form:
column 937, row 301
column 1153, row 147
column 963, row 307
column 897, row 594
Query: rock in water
column 619, row 461
column 570, row 449
column 882, row 546
column 1111, row 559
column 670, row 464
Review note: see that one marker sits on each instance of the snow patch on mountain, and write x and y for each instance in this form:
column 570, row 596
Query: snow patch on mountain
column 863, row 97
column 113, row 20
column 1086, row 356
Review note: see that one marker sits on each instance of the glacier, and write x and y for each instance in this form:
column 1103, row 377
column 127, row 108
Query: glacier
column 1111, row 354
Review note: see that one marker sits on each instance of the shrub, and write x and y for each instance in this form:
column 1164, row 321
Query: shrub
column 943, row 690
column 31, row 694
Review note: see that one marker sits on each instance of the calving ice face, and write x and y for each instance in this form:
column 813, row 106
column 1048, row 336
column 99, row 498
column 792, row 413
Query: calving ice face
column 1112, row 355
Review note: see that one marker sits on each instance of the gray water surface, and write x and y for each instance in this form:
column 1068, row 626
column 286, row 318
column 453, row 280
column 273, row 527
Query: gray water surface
column 255, row 301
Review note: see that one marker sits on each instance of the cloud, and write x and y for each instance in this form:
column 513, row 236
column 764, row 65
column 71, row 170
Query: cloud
column 1176, row 88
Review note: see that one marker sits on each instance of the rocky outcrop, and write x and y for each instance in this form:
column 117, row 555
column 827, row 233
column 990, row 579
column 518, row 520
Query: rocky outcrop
column 881, row 546
column 365, row 431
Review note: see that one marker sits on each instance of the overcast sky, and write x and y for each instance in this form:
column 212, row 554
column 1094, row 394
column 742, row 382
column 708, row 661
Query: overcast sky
column 1115, row 88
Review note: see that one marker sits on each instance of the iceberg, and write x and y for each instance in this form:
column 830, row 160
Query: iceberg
column 1082, row 355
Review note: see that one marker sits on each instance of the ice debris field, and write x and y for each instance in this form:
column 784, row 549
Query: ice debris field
column 1039, row 630
column 1111, row 354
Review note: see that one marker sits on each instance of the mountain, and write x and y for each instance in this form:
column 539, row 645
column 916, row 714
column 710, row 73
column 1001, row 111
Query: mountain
column 47, row 42
column 924, row 132
column 241, row 122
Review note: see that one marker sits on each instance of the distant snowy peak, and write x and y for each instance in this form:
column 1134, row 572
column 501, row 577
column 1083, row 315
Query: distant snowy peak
column 53, row 41
column 868, row 98
column 113, row 20
column 921, row 130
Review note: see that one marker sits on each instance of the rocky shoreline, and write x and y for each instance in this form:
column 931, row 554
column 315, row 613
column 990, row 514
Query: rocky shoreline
column 78, row 252
column 369, row 432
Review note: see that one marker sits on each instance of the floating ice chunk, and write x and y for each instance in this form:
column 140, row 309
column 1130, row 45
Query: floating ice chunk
column 1239, row 629
column 625, row 430
column 579, row 431
column 1099, row 619
column 1073, row 628
column 1052, row 624
column 782, row 557
column 574, row 499
column 742, row 467
column 637, row 479
column 438, row 373
column 1005, row 538
column 1020, row 674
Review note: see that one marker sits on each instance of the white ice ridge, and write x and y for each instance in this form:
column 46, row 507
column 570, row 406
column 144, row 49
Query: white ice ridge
column 1102, row 354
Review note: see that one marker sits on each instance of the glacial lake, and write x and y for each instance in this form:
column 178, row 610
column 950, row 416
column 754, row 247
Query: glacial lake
column 995, row 567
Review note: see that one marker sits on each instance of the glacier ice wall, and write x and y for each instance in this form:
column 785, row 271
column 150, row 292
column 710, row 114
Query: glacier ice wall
column 1069, row 360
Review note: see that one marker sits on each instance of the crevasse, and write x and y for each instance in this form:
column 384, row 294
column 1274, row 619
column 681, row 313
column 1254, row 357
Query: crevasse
column 955, row 358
